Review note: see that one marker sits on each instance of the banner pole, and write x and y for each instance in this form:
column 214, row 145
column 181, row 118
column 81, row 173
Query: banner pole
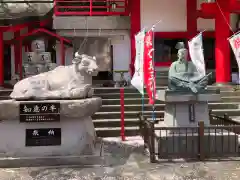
column 143, row 81
column 154, row 80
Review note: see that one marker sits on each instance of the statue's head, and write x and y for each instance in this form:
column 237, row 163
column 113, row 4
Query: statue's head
column 182, row 51
column 182, row 54
column 86, row 63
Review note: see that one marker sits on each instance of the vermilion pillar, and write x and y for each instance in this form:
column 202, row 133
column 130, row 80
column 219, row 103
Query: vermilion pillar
column 1, row 59
column 20, row 60
column 222, row 48
column 220, row 11
column 16, row 51
column 62, row 53
column 191, row 18
column 135, row 18
column 30, row 29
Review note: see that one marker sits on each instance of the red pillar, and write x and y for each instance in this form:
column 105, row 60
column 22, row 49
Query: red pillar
column 62, row 53
column 222, row 48
column 191, row 18
column 20, row 60
column 30, row 29
column 1, row 59
column 16, row 51
column 135, row 18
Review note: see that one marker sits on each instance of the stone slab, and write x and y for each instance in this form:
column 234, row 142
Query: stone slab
column 80, row 161
column 79, row 108
column 181, row 97
column 178, row 114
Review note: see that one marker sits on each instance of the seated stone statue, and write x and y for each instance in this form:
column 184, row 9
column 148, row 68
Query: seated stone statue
column 73, row 81
column 183, row 75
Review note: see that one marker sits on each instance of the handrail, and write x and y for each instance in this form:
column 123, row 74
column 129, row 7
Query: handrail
column 90, row 7
column 221, row 120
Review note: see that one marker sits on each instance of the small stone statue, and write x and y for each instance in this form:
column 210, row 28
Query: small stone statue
column 183, row 75
column 73, row 81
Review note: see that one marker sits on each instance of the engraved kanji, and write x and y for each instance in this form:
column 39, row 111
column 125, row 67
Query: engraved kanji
column 35, row 133
column 53, row 108
column 26, row 109
column 51, row 132
column 36, row 108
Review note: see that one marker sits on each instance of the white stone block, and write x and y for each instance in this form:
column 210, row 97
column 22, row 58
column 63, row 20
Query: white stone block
column 38, row 45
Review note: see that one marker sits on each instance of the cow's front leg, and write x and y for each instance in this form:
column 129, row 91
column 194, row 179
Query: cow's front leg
column 80, row 92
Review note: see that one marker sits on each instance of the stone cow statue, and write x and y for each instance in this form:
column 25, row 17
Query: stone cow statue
column 73, row 81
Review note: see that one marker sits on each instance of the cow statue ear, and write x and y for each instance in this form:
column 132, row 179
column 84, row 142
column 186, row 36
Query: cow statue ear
column 77, row 55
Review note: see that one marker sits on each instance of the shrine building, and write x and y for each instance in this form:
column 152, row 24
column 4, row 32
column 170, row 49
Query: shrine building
column 108, row 27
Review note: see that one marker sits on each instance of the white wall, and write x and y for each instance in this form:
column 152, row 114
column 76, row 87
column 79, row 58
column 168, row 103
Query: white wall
column 172, row 14
column 68, row 54
column 121, row 55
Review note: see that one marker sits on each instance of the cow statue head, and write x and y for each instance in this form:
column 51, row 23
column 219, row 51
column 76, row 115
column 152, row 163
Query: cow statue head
column 85, row 63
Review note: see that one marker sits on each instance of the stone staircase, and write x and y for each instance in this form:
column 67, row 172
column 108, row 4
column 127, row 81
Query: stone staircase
column 107, row 120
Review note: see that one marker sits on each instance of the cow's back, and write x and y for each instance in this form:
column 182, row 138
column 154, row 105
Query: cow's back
column 60, row 77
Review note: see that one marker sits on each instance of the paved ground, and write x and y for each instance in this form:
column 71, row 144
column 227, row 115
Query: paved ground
column 129, row 163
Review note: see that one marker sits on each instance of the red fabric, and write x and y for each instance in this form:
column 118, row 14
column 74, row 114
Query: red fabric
column 149, row 75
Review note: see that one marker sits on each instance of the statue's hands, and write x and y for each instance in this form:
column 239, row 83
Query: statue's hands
column 191, row 84
column 193, row 87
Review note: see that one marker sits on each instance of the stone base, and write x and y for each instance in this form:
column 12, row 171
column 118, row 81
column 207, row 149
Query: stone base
column 175, row 145
column 73, row 135
column 77, row 138
column 185, row 109
column 179, row 115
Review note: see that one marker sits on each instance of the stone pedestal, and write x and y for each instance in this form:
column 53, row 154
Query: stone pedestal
column 186, row 110
column 68, row 131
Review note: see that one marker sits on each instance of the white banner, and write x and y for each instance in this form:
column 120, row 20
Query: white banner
column 138, row 77
column 195, row 46
column 234, row 41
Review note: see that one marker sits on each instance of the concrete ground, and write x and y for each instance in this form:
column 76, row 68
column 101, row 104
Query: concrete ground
column 127, row 162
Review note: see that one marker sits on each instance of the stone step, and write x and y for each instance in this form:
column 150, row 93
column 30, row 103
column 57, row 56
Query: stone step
column 98, row 123
column 146, row 100
column 231, row 98
column 230, row 93
column 162, row 81
column 127, row 114
column 98, row 91
column 115, row 131
column 5, row 92
column 159, row 114
column 160, row 106
column 114, row 95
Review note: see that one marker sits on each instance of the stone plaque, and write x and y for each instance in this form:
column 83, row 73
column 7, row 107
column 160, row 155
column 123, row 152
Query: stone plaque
column 45, row 57
column 39, row 112
column 191, row 112
column 38, row 45
column 29, row 57
column 43, row 137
